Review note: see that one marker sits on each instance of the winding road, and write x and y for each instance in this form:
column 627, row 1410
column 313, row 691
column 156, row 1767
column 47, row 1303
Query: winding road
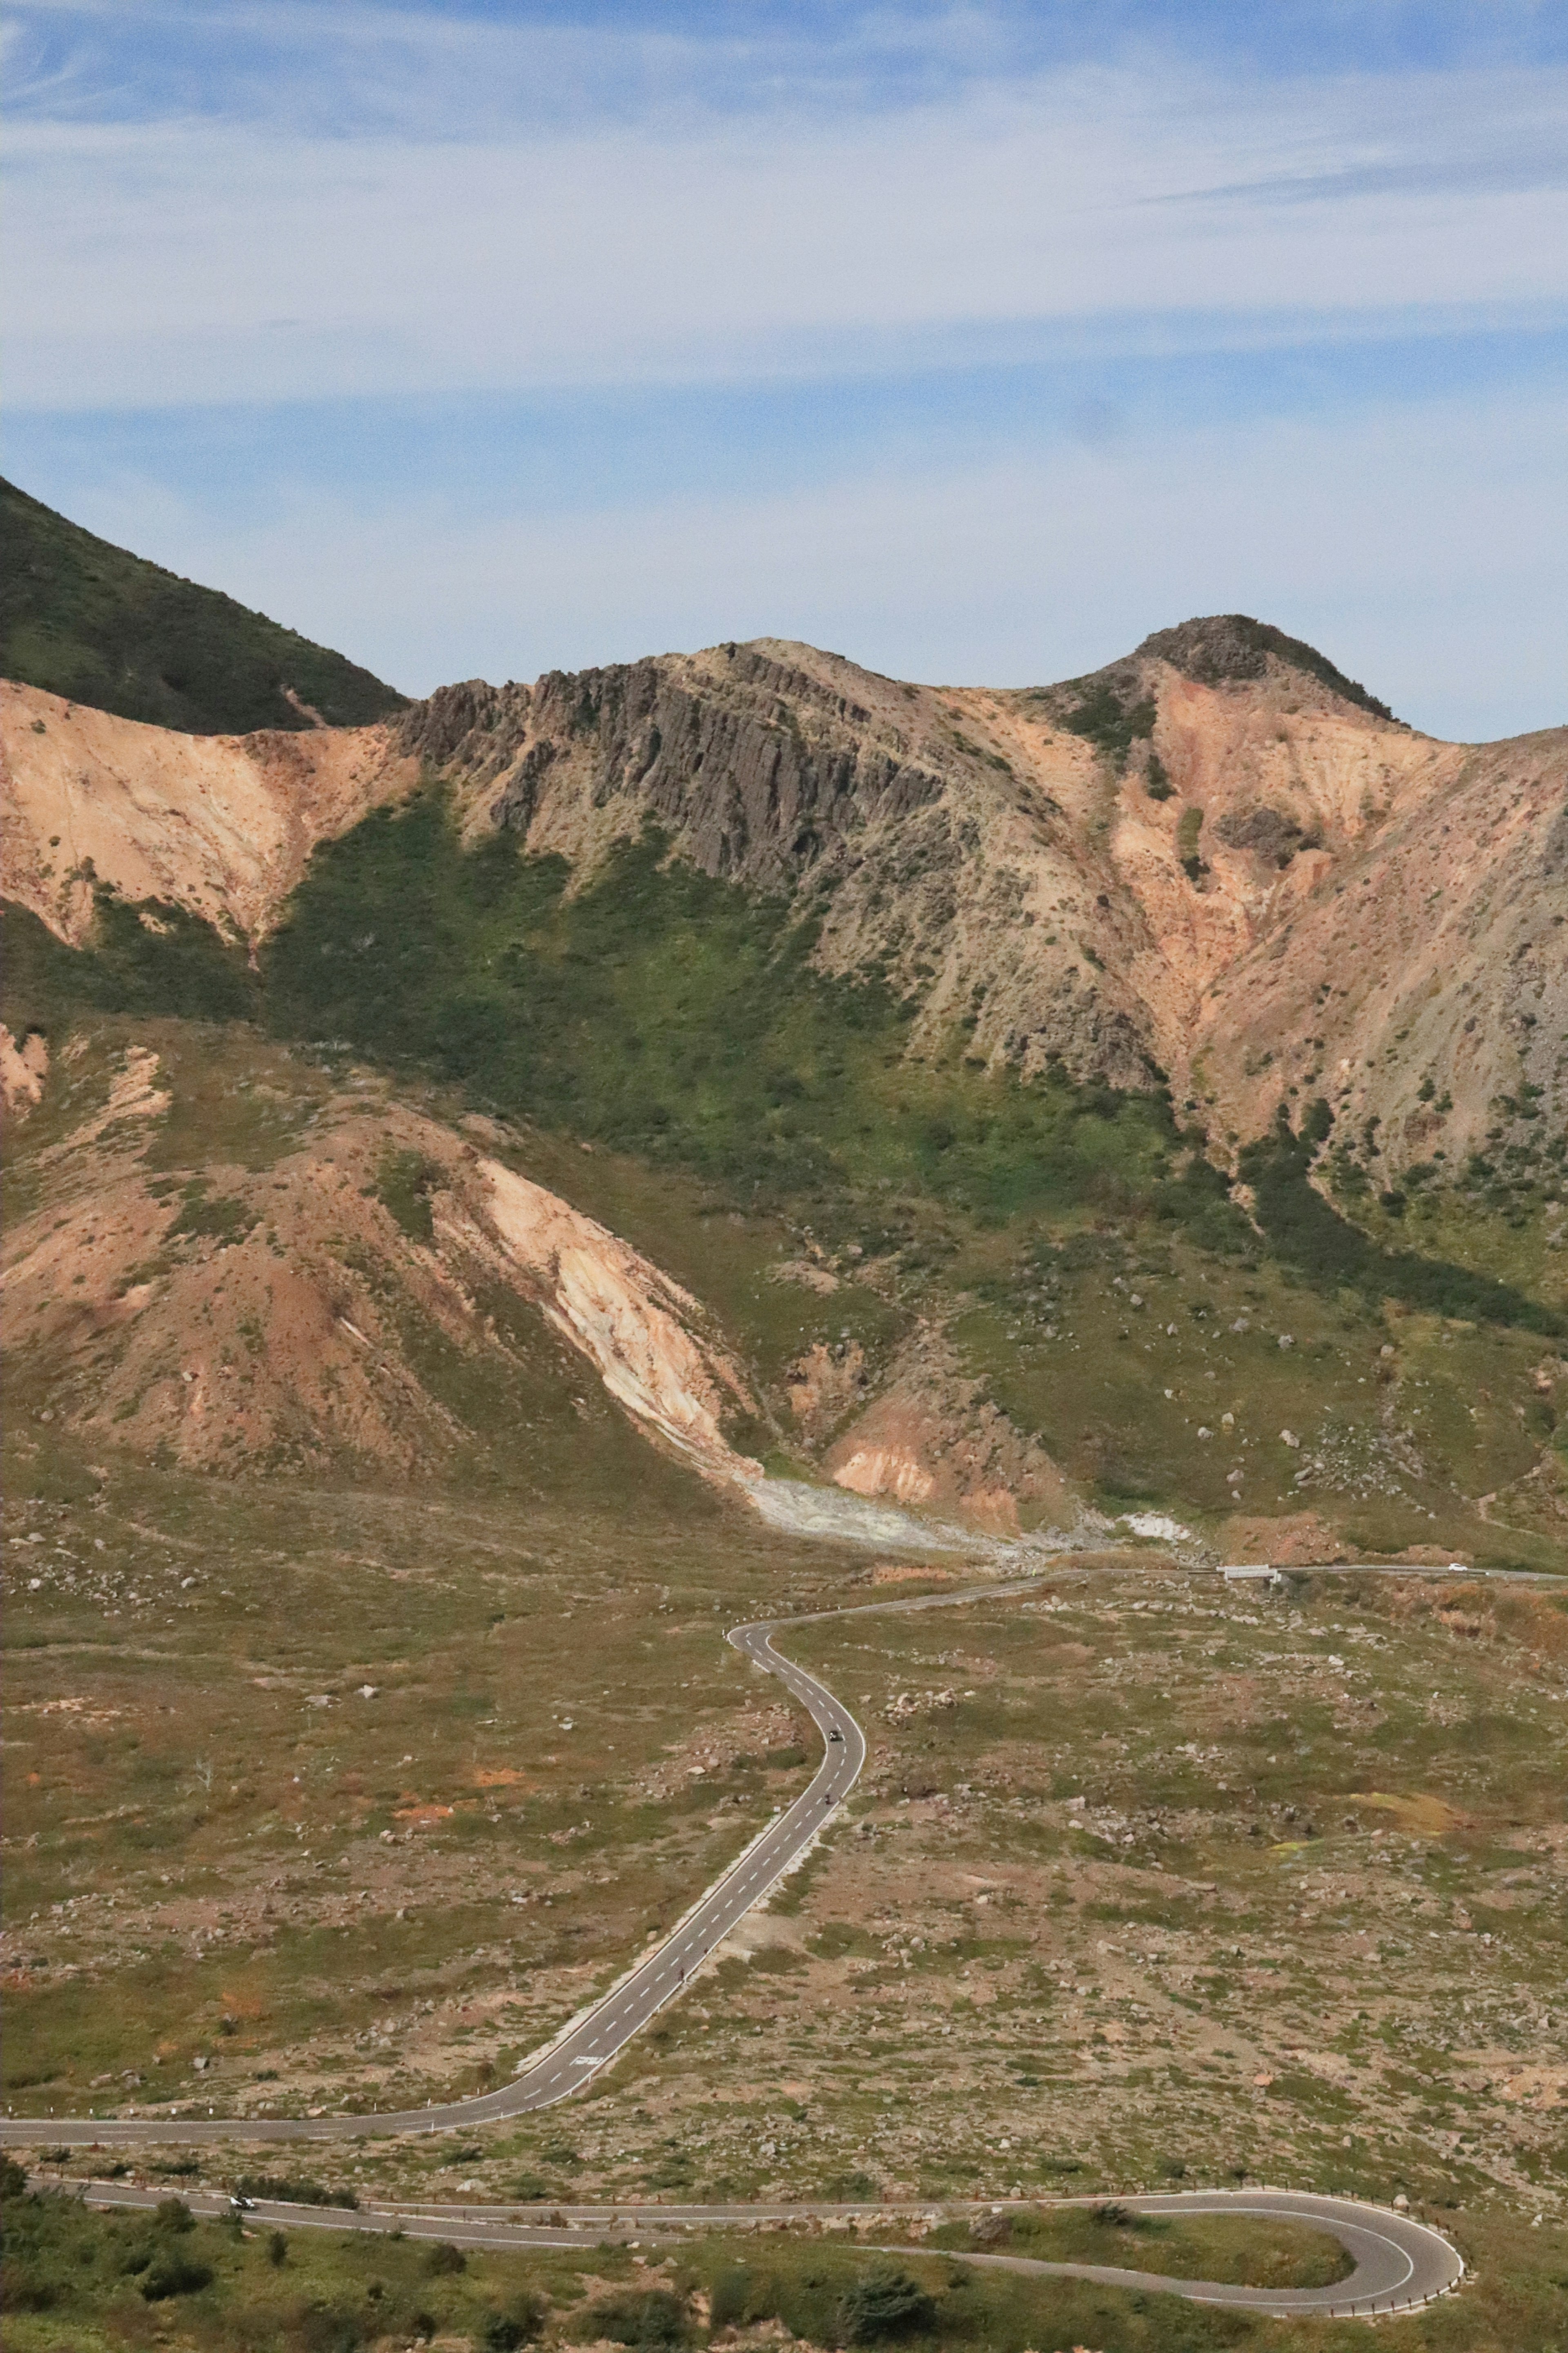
column 1398, row 2262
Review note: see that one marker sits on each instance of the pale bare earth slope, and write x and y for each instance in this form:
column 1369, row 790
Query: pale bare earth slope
column 283, row 1311
column 222, row 824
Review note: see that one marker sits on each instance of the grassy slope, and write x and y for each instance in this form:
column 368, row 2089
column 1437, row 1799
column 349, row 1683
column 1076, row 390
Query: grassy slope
column 679, row 1022
column 93, row 623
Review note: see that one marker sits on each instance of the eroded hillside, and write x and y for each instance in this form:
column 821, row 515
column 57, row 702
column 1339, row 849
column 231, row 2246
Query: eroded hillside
column 1217, row 860
column 215, row 1256
column 222, row 824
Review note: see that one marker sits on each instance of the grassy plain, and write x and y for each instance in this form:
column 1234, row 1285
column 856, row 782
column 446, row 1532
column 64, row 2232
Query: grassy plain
column 336, row 1788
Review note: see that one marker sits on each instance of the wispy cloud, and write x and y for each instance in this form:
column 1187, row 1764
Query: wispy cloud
column 185, row 260
column 877, row 303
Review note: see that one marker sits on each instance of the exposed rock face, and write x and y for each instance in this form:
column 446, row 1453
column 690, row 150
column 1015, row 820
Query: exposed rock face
column 636, row 1326
column 716, row 749
column 1218, row 860
column 256, row 1335
column 24, row 1066
column 932, row 1437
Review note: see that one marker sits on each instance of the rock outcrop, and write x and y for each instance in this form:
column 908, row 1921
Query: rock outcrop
column 1218, row 863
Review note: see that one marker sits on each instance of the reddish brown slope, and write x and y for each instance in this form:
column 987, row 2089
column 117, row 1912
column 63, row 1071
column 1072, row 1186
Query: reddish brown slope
column 221, row 824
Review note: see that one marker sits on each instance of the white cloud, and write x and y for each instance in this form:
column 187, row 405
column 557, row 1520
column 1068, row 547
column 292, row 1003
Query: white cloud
column 1420, row 549
column 179, row 262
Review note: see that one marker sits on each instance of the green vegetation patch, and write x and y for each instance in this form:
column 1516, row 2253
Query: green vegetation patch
column 97, row 625
column 1244, row 2251
column 1308, row 1233
column 673, row 1015
column 403, row 1188
column 1108, row 721
column 150, row 959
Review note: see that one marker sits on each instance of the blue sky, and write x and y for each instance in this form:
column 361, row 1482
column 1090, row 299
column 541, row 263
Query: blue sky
column 974, row 342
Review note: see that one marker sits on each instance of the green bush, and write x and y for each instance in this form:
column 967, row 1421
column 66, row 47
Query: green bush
column 1101, row 716
column 174, row 2274
column 728, row 2298
column 403, row 1188
column 1308, row 1233
column 293, row 2190
column 651, row 2316
column 26, row 2287
column 172, row 964
column 1189, row 827
column 885, row 2302
column 517, row 2323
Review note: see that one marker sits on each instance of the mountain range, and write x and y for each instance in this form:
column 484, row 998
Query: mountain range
column 1202, row 956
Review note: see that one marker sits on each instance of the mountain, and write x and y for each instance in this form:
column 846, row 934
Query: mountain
column 1216, row 859
column 98, row 626
column 1194, row 1021
column 1217, row 864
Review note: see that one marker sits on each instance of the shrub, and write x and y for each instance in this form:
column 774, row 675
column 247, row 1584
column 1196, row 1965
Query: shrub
column 25, row 2288
column 884, row 2301
column 1105, row 721
column 172, row 2214
column 403, row 1188
column 730, row 2297
column 444, row 2258
column 514, row 2323
column 1308, row 1233
column 174, row 2273
column 1189, row 827
column 651, row 2316
column 293, row 2190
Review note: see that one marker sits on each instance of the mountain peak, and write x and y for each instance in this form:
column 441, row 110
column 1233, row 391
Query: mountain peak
column 1221, row 648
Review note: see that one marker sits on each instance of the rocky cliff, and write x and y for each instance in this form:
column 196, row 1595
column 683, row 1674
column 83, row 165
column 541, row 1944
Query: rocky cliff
column 1218, row 861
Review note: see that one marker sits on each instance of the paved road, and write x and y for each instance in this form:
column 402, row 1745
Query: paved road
column 1399, row 2262
column 590, row 2041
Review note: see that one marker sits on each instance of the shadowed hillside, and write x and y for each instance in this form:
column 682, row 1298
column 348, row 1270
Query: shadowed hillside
column 100, row 626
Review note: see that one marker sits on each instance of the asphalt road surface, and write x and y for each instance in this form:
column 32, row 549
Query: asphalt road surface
column 590, row 2041
column 1400, row 2263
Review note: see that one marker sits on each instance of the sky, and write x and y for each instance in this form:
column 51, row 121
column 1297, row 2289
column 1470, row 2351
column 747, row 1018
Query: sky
column 479, row 338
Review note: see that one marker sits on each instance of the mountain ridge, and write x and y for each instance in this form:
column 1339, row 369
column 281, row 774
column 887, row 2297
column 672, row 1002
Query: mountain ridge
column 96, row 624
column 1259, row 891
